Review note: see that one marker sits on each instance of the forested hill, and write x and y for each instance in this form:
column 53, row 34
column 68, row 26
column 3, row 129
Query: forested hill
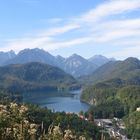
column 111, row 77
column 128, row 70
column 34, row 76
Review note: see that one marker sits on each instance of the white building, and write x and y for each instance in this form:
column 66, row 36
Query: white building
column 138, row 109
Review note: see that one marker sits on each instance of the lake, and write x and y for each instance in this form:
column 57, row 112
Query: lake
column 68, row 101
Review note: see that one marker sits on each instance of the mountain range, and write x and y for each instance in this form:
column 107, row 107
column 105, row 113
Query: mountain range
column 75, row 65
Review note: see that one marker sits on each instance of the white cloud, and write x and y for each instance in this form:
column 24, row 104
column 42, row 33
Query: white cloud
column 100, row 25
column 60, row 30
column 47, row 43
column 125, row 24
column 113, row 7
column 68, row 43
column 115, row 35
column 20, row 44
column 43, row 39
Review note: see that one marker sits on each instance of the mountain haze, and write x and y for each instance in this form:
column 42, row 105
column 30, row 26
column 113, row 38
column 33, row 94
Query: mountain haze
column 75, row 65
column 100, row 60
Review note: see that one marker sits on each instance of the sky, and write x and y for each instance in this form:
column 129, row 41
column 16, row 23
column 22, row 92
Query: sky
column 63, row 27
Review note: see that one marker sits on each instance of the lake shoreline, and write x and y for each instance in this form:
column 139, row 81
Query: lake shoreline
column 67, row 101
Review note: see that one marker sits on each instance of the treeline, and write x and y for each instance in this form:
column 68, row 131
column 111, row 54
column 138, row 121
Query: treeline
column 7, row 96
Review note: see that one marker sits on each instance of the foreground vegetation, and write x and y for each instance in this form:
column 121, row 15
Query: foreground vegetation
column 24, row 122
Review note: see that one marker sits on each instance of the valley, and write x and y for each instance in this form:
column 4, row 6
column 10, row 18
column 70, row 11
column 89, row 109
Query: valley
column 111, row 90
column 70, row 70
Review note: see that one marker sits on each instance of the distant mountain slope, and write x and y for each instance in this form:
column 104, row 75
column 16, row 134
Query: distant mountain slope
column 128, row 69
column 74, row 65
column 77, row 65
column 5, row 56
column 60, row 61
column 100, row 60
column 33, row 76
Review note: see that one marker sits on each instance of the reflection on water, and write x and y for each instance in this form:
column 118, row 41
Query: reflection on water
column 58, row 101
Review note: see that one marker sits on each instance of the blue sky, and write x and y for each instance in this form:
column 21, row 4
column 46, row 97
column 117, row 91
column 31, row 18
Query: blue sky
column 64, row 27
